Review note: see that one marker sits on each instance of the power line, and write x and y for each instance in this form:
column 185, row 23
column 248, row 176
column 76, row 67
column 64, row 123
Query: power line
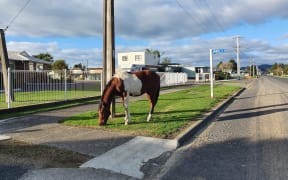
column 203, row 26
column 18, row 14
column 215, row 20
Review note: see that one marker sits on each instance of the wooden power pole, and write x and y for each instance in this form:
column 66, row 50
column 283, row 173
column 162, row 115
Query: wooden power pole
column 108, row 45
column 5, row 64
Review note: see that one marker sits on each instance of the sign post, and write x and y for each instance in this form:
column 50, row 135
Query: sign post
column 213, row 51
column 211, row 73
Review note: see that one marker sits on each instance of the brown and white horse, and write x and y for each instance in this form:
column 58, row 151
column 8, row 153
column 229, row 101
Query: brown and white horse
column 125, row 84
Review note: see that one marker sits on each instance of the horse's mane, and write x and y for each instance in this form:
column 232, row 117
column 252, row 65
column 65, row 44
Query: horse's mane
column 108, row 85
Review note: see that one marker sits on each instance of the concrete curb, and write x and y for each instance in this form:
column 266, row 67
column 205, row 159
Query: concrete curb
column 204, row 120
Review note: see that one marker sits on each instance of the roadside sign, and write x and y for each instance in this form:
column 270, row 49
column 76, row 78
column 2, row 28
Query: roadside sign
column 216, row 51
column 213, row 51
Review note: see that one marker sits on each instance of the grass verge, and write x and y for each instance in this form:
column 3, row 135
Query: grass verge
column 39, row 97
column 48, row 108
column 173, row 112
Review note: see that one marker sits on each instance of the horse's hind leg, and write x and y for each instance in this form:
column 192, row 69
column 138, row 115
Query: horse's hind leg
column 153, row 100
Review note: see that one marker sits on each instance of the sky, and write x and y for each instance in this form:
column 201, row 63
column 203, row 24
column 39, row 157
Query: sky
column 182, row 30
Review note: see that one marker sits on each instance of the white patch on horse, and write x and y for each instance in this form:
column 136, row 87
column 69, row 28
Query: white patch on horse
column 132, row 83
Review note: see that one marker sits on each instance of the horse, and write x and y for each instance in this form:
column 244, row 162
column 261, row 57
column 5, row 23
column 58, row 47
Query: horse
column 127, row 84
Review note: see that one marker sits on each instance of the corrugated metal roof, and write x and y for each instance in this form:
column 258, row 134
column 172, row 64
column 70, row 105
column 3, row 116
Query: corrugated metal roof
column 24, row 56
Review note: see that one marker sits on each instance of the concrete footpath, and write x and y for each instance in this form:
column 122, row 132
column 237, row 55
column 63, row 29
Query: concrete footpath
column 117, row 155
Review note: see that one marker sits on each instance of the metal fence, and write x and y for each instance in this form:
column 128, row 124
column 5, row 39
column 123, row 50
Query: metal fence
column 38, row 87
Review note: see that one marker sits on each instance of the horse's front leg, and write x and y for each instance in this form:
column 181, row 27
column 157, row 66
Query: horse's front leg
column 126, row 107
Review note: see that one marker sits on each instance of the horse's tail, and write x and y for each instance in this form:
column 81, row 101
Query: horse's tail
column 158, row 87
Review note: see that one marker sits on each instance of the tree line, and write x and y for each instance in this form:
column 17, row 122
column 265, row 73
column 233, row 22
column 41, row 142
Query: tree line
column 56, row 64
column 279, row 69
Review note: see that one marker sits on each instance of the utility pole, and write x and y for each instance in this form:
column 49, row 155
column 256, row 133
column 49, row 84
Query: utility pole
column 5, row 65
column 108, row 45
column 238, row 54
column 253, row 65
column 250, row 69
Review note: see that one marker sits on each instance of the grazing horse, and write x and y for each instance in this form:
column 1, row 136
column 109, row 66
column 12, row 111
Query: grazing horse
column 125, row 84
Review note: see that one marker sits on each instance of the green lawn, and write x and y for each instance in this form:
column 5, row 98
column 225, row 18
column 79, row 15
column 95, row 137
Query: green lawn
column 39, row 97
column 172, row 112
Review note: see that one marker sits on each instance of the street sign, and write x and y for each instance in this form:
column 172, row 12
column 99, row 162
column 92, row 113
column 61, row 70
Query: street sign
column 216, row 51
column 213, row 51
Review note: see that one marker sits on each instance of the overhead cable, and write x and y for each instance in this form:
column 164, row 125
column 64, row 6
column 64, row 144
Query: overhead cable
column 18, row 14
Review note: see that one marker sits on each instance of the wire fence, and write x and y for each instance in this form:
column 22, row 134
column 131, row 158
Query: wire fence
column 38, row 87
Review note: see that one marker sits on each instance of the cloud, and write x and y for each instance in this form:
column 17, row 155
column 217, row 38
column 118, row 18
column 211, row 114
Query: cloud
column 175, row 27
column 149, row 19
column 72, row 56
column 194, row 51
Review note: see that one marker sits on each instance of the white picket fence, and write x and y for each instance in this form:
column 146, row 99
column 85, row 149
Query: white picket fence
column 37, row 87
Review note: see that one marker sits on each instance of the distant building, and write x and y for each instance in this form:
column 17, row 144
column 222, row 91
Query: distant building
column 24, row 61
column 199, row 73
column 132, row 61
column 94, row 73
column 190, row 71
column 88, row 74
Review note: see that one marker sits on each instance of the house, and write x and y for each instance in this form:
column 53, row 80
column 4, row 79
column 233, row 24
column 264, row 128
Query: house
column 24, row 61
column 133, row 61
column 89, row 74
column 94, row 73
column 199, row 73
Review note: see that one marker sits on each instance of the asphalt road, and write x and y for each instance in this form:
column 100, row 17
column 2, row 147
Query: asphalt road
column 248, row 140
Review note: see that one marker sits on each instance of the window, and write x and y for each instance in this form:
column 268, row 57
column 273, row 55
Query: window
column 138, row 58
column 124, row 58
column 39, row 67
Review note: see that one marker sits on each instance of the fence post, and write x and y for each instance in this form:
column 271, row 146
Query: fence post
column 9, row 88
column 65, row 84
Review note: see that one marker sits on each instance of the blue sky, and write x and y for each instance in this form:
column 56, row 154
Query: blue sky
column 183, row 30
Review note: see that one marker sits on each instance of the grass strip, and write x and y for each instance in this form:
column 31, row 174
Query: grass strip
column 48, row 108
column 173, row 112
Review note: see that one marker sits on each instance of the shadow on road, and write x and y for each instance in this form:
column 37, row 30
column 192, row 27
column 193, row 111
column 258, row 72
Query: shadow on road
column 234, row 159
column 252, row 112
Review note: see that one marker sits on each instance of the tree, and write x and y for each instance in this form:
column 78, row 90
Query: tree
column 44, row 56
column 286, row 69
column 233, row 64
column 156, row 53
column 277, row 69
column 80, row 66
column 59, row 65
column 220, row 66
column 229, row 66
column 166, row 60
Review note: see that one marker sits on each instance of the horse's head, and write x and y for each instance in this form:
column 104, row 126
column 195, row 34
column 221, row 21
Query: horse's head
column 103, row 113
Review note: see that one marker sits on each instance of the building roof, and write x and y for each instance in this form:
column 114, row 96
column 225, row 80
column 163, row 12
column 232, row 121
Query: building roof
column 24, row 56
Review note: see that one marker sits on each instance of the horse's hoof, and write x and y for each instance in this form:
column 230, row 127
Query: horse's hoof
column 149, row 118
column 102, row 124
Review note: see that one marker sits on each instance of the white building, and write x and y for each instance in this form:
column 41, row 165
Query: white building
column 129, row 60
